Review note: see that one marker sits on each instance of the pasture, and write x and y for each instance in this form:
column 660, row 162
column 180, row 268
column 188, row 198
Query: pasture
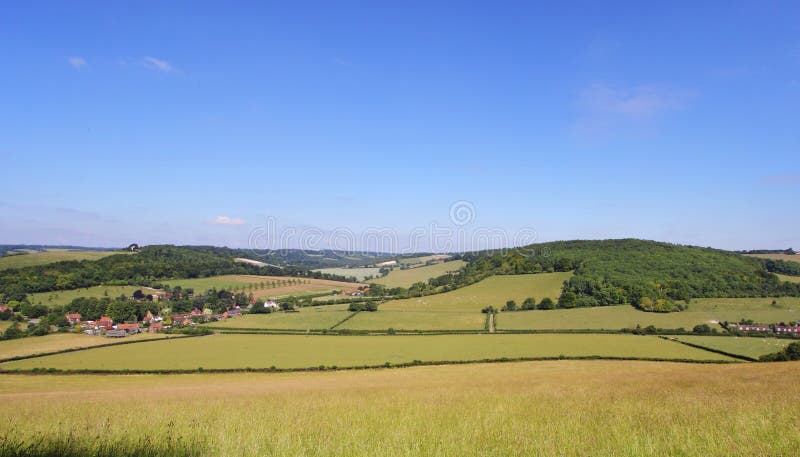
column 701, row 311
column 786, row 257
column 422, row 259
column 61, row 341
column 52, row 256
column 307, row 318
column 359, row 273
column 263, row 286
column 794, row 279
column 407, row 277
column 63, row 297
column 494, row 291
column 564, row 408
column 302, row 351
column 746, row 346
column 415, row 320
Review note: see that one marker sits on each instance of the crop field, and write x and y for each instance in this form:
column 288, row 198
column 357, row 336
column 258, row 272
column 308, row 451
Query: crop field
column 62, row 297
column 787, row 257
column 61, row 341
column 302, row 351
column 495, row 291
column 405, row 278
column 701, row 311
column 565, row 408
column 795, row 279
column 415, row 320
column 358, row 273
column 308, row 318
column 264, row 286
column 746, row 346
column 51, row 256
column 422, row 259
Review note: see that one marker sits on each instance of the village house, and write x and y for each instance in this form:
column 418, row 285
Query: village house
column 270, row 304
column 353, row 293
column 234, row 312
column 793, row 329
column 750, row 327
column 129, row 328
column 149, row 318
column 73, row 318
column 104, row 322
column 155, row 328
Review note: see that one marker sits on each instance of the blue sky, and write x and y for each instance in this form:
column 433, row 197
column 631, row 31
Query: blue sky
column 192, row 123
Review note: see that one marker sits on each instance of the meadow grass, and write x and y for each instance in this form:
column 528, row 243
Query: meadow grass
column 794, row 279
column 407, row 277
column 63, row 297
column 787, row 257
column 746, row 346
column 227, row 351
column 701, row 311
column 358, row 273
column 273, row 287
column 61, row 341
column 308, row 318
column 564, row 408
column 415, row 320
column 51, row 256
column 494, row 291
column 422, row 259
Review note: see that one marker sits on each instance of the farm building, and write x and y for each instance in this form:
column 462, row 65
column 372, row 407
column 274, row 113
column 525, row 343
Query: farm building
column 129, row 328
column 73, row 318
column 155, row 328
column 116, row 333
column 751, row 327
column 792, row 329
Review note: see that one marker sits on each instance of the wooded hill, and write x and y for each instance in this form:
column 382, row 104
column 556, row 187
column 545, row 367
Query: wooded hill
column 648, row 274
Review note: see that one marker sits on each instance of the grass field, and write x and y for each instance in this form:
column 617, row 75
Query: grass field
column 404, row 278
column 274, row 287
column 415, row 320
column 701, row 311
column 795, row 279
column 422, row 259
column 495, row 291
column 60, row 341
column 746, row 346
column 564, row 408
column 787, row 257
column 308, row 318
column 62, row 297
column 302, row 351
column 358, row 273
column 50, row 256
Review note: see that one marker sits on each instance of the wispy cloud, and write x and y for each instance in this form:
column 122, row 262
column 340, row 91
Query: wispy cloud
column 158, row 64
column 225, row 220
column 605, row 109
column 76, row 61
column 782, row 179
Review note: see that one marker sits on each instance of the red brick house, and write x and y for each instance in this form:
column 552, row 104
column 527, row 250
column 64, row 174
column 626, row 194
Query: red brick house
column 104, row 322
column 155, row 328
column 794, row 329
column 73, row 318
column 130, row 328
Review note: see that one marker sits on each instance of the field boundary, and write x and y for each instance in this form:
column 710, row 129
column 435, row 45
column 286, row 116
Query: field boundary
column 387, row 365
column 64, row 351
column 705, row 348
column 344, row 320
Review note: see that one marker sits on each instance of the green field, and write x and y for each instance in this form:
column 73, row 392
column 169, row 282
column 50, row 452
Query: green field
column 308, row 318
column 563, row 408
column 50, row 256
column 63, row 297
column 422, row 259
column 795, row 279
column 301, row 351
column 358, row 273
column 407, row 277
column 495, row 291
column 701, row 311
column 415, row 320
column 786, row 257
column 60, row 341
column 746, row 346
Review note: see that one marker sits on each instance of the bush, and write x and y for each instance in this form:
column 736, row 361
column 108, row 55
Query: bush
column 789, row 353
column 547, row 303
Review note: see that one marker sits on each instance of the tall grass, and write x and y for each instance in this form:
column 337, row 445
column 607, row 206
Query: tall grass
column 565, row 408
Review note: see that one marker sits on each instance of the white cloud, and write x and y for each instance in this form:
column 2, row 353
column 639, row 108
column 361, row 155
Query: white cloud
column 225, row 220
column 605, row 109
column 76, row 61
column 158, row 64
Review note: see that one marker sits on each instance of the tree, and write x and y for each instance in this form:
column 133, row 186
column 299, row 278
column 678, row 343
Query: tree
column 702, row 328
column 547, row 303
column 567, row 300
column 529, row 303
column 13, row 333
column 138, row 295
column 511, row 305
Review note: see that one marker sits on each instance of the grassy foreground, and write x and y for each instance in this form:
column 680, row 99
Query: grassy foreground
column 564, row 408
column 232, row 351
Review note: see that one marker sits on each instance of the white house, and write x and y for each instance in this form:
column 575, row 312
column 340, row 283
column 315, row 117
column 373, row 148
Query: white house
column 270, row 304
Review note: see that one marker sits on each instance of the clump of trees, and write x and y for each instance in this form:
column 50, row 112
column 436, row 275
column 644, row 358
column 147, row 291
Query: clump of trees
column 370, row 306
